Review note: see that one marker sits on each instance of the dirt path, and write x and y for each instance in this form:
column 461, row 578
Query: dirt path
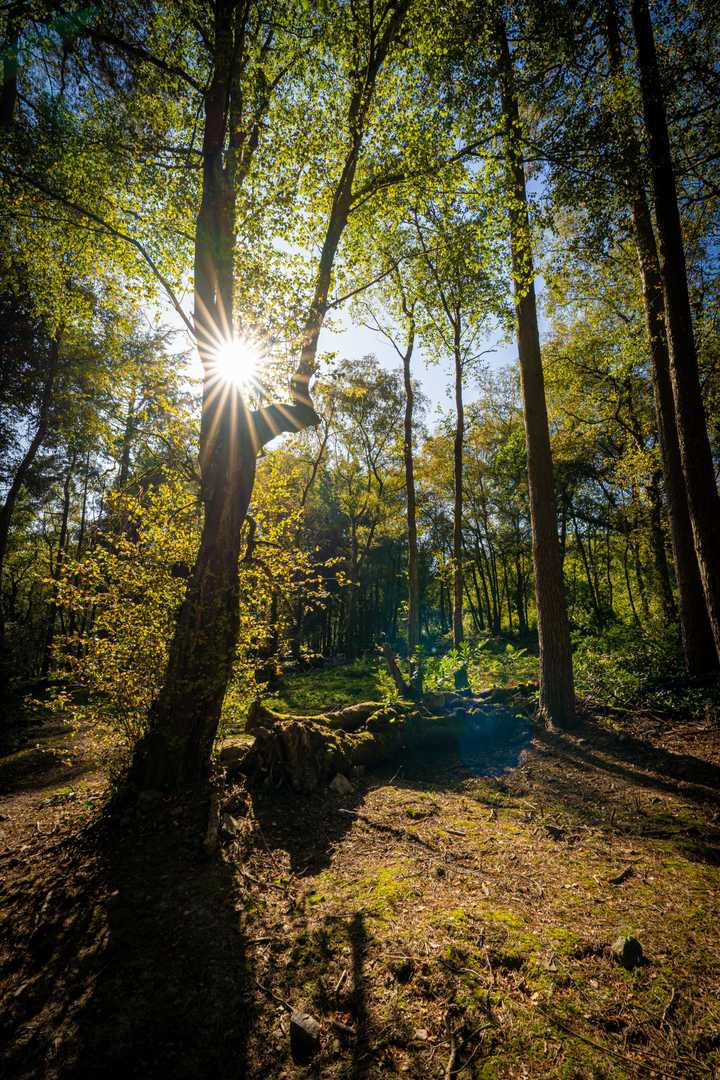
column 431, row 919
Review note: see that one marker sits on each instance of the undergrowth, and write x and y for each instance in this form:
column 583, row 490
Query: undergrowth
column 622, row 668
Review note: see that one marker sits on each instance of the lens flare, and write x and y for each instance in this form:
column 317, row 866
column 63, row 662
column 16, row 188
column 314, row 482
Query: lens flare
column 237, row 362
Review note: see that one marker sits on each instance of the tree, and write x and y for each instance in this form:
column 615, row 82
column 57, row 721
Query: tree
column 698, row 644
column 187, row 711
column 458, row 298
column 557, row 697
column 702, row 493
column 366, row 405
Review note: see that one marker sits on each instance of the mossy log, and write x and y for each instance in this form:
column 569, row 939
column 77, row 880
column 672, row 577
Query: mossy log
column 350, row 719
column 306, row 752
column 305, row 755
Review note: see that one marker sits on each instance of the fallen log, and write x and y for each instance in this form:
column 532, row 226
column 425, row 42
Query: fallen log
column 305, row 755
column 307, row 752
column 349, row 719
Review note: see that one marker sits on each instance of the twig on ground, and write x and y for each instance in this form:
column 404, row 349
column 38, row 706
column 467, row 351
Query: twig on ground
column 651, row 1068
column 267, row 990
column 454, row 1060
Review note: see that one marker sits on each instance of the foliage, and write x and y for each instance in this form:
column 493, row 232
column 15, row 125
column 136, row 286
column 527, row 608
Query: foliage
column 622, row 669
column 485, row 663
column 129, row 587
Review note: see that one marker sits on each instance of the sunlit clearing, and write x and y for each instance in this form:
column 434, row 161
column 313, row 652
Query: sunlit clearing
column 237, row 362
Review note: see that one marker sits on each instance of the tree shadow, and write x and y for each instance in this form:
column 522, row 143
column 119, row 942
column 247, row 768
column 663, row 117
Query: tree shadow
column 124, row 963
column 307, row 827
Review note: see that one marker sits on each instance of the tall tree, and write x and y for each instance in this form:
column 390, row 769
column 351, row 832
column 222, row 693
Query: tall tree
column 185, row 717
column 557, row 696
column 700, row 484
column 699, row 647
column 459, row 300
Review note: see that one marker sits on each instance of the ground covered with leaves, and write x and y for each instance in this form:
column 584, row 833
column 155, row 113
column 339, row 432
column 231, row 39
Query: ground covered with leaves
column 435, row 923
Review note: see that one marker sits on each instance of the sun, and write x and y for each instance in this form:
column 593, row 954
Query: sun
column 237, row 362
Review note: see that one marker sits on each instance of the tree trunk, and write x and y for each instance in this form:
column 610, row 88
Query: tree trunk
column 127, row 442
column 461, row 677
column 657, row 545
column 351, row 620
column 55, row 572
column 557, row 696
column 698, row 643
column 183, row 720
column 478, row 597
column 702, row 494
column 6, row 510
column 458, row 498
column 413, row 617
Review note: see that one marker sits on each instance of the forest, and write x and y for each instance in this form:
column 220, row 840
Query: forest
column 360, row 539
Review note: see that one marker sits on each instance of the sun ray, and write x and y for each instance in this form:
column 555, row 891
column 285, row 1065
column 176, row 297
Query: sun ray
column 236, row 361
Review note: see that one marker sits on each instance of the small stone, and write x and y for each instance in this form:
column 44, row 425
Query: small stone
column 336, row 1048
column 230, row 827
column 127, row 820
column 627, row 951
column 420, row 1034
column 176, row 811
column 304, row 1031
column 356, row 772
column 147, row 799
column 231, row 753
column 342, row 785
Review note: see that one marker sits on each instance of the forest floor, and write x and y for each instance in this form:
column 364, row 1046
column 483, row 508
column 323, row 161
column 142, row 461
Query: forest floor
column 436, row 923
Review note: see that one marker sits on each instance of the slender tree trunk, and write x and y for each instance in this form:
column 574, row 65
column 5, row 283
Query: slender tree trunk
column 479, row 557
column 413, row 618
column 702, row 494
column 127, row 442
column 588, row 574
column 8, row 88
column 461, row 678
column 352, row 594
column 657, row 544
column 519, row 598
column 476, row 621
column 557, row 696
column 56, row 571
column 478, row 597
column 626, row 530
column 8, row 506
column 698, row 643
column 508, row 595
column 458, row 501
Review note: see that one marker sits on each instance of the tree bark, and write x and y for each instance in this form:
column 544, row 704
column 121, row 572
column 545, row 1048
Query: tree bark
column 8, row 89
column 413, row 618
column 702, row 494
column 698, row 643
column 55, row 572
column 6, row 510
column 461, row 677
column 557, row 696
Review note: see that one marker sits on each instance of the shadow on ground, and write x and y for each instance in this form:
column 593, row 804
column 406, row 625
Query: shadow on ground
column 125, row 955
